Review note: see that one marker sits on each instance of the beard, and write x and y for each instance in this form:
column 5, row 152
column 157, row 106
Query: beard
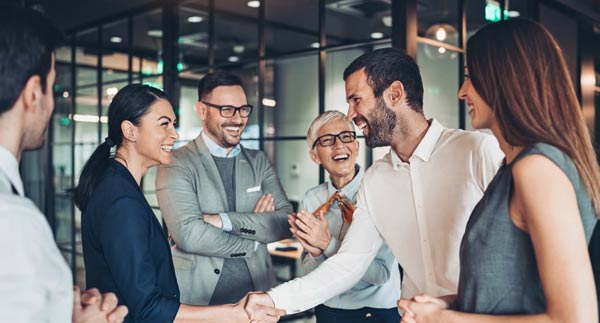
column 381, row 122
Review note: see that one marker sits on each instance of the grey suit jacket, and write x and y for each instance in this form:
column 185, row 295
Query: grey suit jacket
column 191, row 186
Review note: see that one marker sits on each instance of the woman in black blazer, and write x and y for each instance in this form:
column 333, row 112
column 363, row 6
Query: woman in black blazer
column 125, row 249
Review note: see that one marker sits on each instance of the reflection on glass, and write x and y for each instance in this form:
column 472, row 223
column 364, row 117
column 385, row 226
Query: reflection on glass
column 440, row 85
column 147, row 40
column 296, row 171
column 193, row 34
column 291, row 96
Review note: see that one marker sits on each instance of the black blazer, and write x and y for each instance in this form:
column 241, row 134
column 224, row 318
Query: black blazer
column 126, row 251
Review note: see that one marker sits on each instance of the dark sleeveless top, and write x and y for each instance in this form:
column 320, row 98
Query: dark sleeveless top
column 498, row 268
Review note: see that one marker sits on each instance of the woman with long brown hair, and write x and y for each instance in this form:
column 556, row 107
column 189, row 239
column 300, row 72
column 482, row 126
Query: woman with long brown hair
column 524, row 255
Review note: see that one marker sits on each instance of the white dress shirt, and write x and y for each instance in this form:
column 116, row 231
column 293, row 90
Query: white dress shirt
column 35, row 281
column 419, row 208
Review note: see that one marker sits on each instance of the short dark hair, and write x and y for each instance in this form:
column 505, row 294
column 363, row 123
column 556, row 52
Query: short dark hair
column 213, row 80
column 27, row 42
column 384, row 66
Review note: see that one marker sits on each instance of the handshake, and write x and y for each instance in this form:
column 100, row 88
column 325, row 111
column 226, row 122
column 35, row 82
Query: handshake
column 258, row 307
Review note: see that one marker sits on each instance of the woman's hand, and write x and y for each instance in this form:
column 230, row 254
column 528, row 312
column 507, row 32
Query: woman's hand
column 422, row 309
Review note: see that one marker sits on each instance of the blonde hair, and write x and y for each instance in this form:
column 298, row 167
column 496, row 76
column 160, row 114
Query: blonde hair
column 320, row 121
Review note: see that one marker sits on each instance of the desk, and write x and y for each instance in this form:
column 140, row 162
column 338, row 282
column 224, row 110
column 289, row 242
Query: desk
column 289, row 258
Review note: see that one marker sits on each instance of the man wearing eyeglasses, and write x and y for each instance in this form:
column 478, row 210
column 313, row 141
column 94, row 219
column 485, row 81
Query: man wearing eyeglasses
column 222, row 203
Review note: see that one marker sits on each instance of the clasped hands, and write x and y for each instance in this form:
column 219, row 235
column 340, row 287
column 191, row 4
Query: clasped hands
column 92, row 307
column 424, row 308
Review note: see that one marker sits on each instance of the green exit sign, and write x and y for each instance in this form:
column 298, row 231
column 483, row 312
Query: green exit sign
column 492, row 11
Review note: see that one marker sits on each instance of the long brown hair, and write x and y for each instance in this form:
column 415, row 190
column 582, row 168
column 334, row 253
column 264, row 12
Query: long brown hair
column 517, row 67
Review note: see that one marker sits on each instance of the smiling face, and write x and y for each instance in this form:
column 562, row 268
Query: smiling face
column 480, row 112
column 370, row 114
column 226, row 132
column 156, row 134
column 339, row 160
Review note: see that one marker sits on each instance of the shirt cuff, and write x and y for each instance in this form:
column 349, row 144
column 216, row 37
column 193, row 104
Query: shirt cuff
column 278, row 296
column 332, row 248
column 227, row 225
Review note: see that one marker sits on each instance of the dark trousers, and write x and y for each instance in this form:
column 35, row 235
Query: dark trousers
column 326, row 314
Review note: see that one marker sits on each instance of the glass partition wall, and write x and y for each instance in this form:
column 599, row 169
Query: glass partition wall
column 290, row 56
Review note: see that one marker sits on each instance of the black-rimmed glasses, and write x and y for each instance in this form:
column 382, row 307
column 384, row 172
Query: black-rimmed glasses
column 329, row 139
column 228, row 111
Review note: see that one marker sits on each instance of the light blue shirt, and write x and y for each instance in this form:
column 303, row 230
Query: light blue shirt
column 219, row 151
column 380, row 285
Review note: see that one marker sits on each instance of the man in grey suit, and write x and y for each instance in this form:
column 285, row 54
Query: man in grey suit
column 222, row 203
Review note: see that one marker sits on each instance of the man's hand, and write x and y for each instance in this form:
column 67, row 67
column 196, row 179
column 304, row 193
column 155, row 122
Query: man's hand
column 108, row 304
column 213, row 219
column 313, row 229
column 261, row 309
column 265, row 203
column 92, row 312
column 314, row 251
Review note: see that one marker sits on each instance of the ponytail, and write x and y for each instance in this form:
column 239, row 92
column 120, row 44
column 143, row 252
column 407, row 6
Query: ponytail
column 91, row 174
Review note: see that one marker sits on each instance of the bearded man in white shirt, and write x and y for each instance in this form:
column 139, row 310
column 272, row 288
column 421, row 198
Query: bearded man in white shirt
column 35, row 281
column 417, row 198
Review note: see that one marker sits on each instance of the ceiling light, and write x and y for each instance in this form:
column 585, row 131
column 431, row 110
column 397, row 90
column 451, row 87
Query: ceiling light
column 154, row 33
column 387, row 21
column 441, row 50
column 88, row 118
column 233, row 59
column 441, row 32
column 65, row 94
column 195, row 19
column 376, row 35
column 111, row 91
column 116, row 39
column 238, row 49
column 315, row 45
column 269, row 102
column 253, row 4
column 513, row 14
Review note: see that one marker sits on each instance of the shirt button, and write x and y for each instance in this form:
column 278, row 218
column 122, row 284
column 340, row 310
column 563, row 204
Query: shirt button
column 217, row 271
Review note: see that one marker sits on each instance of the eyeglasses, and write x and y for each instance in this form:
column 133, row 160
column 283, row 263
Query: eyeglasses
column 228, row 111
column 328, row 140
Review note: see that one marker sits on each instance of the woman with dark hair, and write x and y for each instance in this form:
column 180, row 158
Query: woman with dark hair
column 125, row 249
column 524, row 255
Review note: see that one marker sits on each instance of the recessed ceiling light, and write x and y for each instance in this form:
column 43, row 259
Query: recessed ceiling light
column 387, row 21
column 116, row 39
column 154, row 33
column 238, row 49
column 253, row 4
column 233, row 59
column 441, row 50
column 195, row 19
column 376, row 35
column 514, row 14
column 269, row 102
column 65, row 94
column 315, row 45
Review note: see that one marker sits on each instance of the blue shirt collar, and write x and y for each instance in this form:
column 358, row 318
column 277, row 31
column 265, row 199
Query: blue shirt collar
column 351, row 188
column 217, row 150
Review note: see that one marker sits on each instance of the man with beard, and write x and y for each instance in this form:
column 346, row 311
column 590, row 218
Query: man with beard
column 222, row 203
column 417, row 198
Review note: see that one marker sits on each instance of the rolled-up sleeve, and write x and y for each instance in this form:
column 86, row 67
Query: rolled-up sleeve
column 124, row 237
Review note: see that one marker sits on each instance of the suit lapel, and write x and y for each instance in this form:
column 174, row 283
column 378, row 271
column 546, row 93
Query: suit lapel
column 211, row 169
